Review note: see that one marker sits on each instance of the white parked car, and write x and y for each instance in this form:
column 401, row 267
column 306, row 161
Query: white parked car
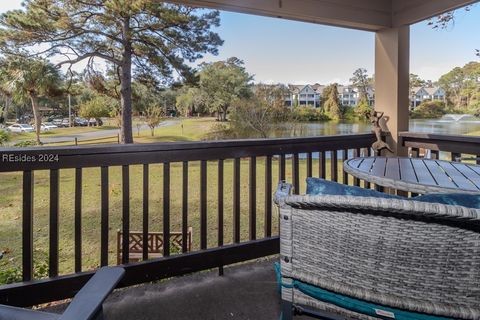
column 47, row 126
column 20, row 127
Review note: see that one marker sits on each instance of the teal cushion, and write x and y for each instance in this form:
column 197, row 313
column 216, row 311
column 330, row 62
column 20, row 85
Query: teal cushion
column 353, row 304
column 454, row 199
column 317, row 186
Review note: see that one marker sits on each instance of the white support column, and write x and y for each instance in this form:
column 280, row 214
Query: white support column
column 392, row 63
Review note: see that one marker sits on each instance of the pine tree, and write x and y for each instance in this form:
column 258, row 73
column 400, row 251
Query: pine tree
column 142, row 39
column 332, row 106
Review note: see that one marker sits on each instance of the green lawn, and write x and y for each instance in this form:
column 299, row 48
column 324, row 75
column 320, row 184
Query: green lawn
column 59, row 132
column 10, row 206
column 194, row 129
column 475, row 133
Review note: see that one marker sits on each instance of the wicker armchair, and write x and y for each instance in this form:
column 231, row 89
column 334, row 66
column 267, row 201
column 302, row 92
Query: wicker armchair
column 395, row 258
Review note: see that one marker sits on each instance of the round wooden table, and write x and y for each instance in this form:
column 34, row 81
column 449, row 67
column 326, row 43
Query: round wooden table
column 416, row 175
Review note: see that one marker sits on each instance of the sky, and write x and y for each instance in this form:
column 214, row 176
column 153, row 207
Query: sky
column 283, row 51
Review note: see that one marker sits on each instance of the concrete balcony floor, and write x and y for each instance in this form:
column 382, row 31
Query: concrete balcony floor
column 245, row 292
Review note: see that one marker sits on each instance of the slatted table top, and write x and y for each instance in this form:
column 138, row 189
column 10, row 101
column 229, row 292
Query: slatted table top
column 416, row 175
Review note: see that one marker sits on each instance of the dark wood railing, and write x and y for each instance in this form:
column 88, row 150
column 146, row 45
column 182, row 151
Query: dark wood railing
column 451, row 147
column 312, row 153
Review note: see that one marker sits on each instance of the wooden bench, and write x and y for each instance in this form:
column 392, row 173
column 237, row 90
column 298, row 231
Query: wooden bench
column 155, row 244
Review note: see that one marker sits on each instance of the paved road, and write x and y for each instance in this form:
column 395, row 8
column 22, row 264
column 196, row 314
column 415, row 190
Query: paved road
column 100, row 133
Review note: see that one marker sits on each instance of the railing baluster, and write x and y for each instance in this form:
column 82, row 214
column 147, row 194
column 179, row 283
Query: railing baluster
column 268, row 196
column 333, row 166
column 27, row 226
column 345, row 175
column 321, row 164
column 53, row 246
column 281, row 168
column 125, row 213
column 456, row 156
column 236, row 200
column 104, row 217
column 356, row 181
column 203, row 204
column 415, row 152
column 369, row 154
column 185, row 207
column 145, row 212
column 309, row 164
column 166, row 209
column 220, row 210
column 252, row 199
column 78, row 219
column 295, row 174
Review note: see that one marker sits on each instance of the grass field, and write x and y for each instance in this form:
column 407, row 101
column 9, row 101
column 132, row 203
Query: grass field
column 190, row 129
column 10, row 206
column 58, row 132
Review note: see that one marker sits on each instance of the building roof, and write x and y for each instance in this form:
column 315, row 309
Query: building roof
column 428, row 90
column 432, row 90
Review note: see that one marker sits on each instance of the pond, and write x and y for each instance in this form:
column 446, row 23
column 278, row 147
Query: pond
column 439, row 126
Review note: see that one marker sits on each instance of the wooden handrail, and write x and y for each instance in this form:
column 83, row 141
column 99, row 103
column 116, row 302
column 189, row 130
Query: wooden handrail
column 440, row 142
column 112, row 155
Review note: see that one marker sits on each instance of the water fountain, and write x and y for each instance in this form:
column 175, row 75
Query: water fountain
column 458, row 117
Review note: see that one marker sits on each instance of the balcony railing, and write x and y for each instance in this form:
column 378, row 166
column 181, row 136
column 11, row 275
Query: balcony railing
column 248, row 230
column 450, row 147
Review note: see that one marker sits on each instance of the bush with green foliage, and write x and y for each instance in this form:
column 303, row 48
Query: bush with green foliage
column 309, row 114
column 11, row 273
column 474, row 109
column 363, row 108
column 4, row 137
column 429, row 110
column 97, row 107
column 26, row 143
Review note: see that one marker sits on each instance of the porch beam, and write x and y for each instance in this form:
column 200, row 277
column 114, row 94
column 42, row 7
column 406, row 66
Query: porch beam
column 406, row 12
column 392, row 50
column 371, row 15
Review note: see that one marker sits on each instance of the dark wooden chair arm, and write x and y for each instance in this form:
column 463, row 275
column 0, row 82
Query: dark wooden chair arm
column 14, row 313
column 88, row 301
column 86, row 305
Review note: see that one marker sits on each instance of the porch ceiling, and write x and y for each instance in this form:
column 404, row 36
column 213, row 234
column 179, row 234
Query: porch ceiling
column 371, row 15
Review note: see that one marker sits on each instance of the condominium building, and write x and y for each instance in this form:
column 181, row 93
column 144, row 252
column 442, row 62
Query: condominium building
column 311, row 95
column 420, row 94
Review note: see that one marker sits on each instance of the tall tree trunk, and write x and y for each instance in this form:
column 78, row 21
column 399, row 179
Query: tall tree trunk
column 126, row 133
column 224, row 113
column 36, row 115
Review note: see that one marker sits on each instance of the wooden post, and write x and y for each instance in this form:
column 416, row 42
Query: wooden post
column 392, row 48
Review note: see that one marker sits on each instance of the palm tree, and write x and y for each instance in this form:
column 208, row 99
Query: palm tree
column 30, row 79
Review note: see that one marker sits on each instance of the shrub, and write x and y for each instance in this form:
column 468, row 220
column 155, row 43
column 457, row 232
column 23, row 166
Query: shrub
column 4, row 137
column 474, row 109
column 11, row 273
column 429, row 110
column 309, row 114
column 26, row 143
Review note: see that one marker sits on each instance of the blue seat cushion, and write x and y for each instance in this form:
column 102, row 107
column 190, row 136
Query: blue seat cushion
column 317, row 186
column 353, row 304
